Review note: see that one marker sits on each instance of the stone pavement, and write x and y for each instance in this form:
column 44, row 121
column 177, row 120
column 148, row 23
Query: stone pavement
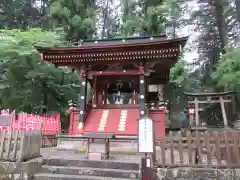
column 55, row 153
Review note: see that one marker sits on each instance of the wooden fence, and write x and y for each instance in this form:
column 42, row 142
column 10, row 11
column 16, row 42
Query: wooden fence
column 48, row 141
column 211, row 148
column 19, row 145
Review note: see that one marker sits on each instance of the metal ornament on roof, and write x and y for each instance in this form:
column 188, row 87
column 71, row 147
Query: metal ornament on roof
column 145, row 135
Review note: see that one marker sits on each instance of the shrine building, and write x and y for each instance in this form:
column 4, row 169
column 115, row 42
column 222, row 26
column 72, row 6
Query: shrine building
column 127, row 77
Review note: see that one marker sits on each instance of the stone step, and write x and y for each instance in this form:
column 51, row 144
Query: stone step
column 48, row 176
column 93, row 164
column 86, row 171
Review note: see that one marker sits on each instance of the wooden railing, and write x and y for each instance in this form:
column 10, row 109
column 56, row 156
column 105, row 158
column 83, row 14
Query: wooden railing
column 161, row 105
column 48, row 141
column 19, row 145
column 211, row 148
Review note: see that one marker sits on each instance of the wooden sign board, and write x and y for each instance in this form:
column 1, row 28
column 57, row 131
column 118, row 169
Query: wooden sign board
column 145, row 135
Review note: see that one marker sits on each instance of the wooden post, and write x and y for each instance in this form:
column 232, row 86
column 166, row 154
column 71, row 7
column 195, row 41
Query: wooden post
column 191, row 120
column 83, row 97
column 107, row 148
column 146, row 171
column 223, row 112
column 105, row 92
column 142, row 95
column 40, row 127
column 196, row 111
column 154, row 156
column 233, row 106
column 136, row 92
column 94, row 101
column 22, row 145
column 133, row 93
column 88, row 147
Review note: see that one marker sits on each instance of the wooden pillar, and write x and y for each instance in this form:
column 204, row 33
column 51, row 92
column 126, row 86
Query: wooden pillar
column 233, row 106
column 223, row 112
column 99, row 92
column 83, row 97
column 133, row 92
column 105, row 93
column 142, row 92
column 196, row 111
column 146, row 171
column 94, row 100
column 136, row 92
column 191, row 120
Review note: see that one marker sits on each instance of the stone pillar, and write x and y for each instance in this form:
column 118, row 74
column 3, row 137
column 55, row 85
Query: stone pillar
column 83, row 97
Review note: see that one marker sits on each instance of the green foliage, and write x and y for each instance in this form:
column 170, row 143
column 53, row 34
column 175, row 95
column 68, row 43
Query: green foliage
column 76, row 17
column 227, row 73
column 177, row 83
column 28, row 83
column 148, row 17
column 19, row 14
column 178, row 74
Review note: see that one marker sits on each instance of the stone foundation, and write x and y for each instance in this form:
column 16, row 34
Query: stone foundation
column 19, row 170
column 196, row 174
column 79, row 144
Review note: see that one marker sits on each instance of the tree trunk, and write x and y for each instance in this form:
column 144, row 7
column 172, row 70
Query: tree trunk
column 174, row 21
column 174, row 34
column 221, row 23
column 105, row 15
column 237, row 4
column 220, row 5
column 45, row 101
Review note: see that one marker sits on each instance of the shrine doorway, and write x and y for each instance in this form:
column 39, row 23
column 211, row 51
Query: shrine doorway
column 118, row 91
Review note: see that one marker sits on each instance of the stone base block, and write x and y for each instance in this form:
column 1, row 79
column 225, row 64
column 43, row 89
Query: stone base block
column 19, row 170
column 94, row 156
column 96, row 148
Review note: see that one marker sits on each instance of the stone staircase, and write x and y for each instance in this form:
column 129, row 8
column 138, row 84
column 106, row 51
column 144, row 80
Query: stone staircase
column 65, row 169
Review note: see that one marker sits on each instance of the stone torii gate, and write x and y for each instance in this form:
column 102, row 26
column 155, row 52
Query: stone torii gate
column 197, row 99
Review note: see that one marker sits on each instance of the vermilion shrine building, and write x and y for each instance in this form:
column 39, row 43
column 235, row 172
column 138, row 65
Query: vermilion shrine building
column 127, row 78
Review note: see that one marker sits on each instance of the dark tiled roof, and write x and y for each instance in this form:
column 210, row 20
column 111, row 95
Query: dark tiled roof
column 127, row 43
column 123, row 41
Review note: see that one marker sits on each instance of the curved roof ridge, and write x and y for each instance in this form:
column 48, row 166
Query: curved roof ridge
column 125, row 44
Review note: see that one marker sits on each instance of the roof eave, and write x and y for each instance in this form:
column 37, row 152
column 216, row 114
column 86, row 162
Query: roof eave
column 181, row 41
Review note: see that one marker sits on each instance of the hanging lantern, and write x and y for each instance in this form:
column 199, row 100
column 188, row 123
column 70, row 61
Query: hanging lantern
column 191, row 111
